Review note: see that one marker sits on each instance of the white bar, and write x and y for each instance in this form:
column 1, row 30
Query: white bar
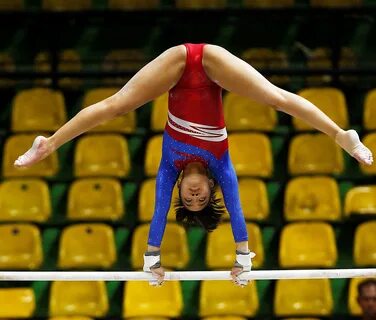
column 184, row 275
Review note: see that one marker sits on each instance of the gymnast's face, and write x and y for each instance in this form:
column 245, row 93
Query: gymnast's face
column 195, row 191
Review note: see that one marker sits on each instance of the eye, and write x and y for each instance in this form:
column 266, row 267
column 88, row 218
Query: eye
column 202, row 200
column 188, row 200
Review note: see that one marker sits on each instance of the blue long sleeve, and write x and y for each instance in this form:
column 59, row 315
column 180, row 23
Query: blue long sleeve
column 225, row 175
column 166, row 179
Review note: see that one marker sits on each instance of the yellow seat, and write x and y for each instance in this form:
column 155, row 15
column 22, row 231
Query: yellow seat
column 370, row 141
column 335, row 3
column 330, row 100
column 69, row 60
column 268, row 3
column 241, row 113
column 159, row 113
column 175, row 253
column 222, row 298
column 251, row 154
column 17, row 145
column 142, row 300
column 12, row 4
column 17, row 302
column 365, row 244
column 369, row 115
column 20, row 247
column 71, row 318
column 301, row 319
column 124, row 60
column 66, row 5
column 312, row 198
column 133, row 4
column 254, row 199
column 266, row 58
column 38, row 109
column 307, row 244
column 153, row 155
column 122, row 124
column 314, row 154
column 7, row 63
column 87, row 246
column 146, row 201
column 222, row 241
column 83, row 298
column 361, row 200
column 224, row 318
column 352, row 302
column 199, row 4
column 102, row 155
column 303, row 298
column 24, row 200
column 95, row 199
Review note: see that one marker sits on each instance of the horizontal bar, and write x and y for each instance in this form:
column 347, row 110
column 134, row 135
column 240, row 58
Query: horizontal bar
column 184, row 275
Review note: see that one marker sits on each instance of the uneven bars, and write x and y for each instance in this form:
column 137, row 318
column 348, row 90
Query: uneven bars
column 184, row 275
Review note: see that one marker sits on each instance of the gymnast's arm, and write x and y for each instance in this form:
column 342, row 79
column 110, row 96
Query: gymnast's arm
column 154, row 79
column 227, row 180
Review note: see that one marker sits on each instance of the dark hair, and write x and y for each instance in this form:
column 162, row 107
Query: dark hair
column 208, row 218
column 365, row 283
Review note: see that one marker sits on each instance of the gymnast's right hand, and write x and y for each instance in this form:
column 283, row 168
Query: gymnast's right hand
column 42, row 147
column 152, row 264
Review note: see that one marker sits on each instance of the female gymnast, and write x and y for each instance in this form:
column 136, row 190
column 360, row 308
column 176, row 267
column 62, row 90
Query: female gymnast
column 195, row 137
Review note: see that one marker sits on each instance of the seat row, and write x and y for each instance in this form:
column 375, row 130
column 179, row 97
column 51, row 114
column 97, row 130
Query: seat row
column 92, row 246
column 69, row 5
column 101, row 199
column 251, row 154
column 42, row 109
column 216, row 300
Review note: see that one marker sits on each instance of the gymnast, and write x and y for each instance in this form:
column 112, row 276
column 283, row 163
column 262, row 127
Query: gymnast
column 195, row 145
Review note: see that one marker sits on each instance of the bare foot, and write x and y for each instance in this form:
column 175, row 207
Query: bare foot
column 349, row 140
column 40, row 149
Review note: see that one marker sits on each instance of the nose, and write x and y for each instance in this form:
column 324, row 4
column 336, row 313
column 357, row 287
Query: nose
column 194, row 191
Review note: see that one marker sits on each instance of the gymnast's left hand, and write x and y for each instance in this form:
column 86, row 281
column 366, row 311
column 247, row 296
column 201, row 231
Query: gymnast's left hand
column 243, row 263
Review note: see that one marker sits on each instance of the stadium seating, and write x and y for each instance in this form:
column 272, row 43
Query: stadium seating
column 17, row 303
column 303, row 298
column 122, row 124
column 84, row 246
column 174, row 246
column 84, row 298
column 243, row 114
column 146, row 201
column 199, row 4
column 312, row 198
column 254, row 199
column 365, row 244
column 159, row 113
column 102, row 155
column 153, row 155
column 133, row 4
column 66, row 5
column 251, row 154
column 335, row 3
column 24, row 200
column 219, row 298
column 360, row 200
column 15, row 146
column 307, row 244
column 314, row 154
column 223, row 240
column 369, row 113
column 20, row 247
column 95, row 199
column 143, row 301
column 268, row 3
column 330, row 100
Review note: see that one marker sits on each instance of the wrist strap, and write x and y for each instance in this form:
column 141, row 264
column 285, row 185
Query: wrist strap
column 151, row 260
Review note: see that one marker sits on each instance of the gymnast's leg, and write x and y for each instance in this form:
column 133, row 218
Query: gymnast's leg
column 151, row 81
column 234, row 74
